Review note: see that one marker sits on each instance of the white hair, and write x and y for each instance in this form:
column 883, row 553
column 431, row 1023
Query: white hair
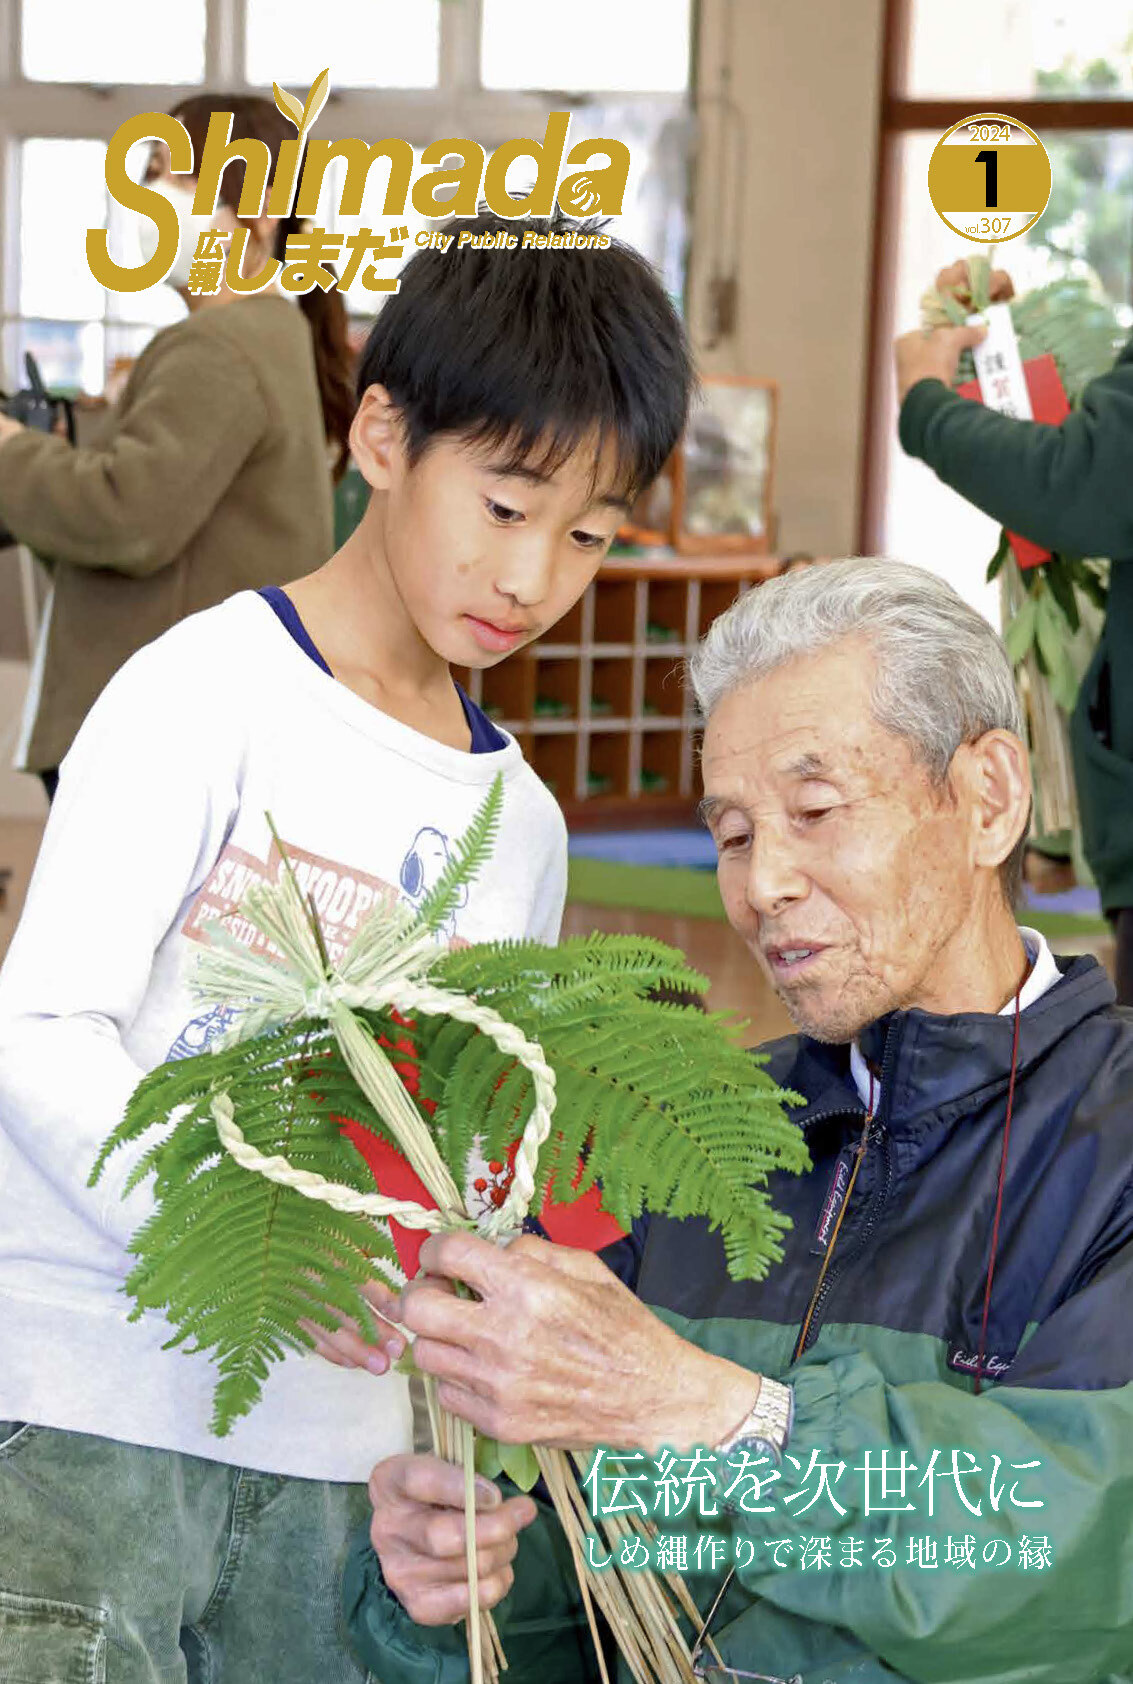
column 942, row 677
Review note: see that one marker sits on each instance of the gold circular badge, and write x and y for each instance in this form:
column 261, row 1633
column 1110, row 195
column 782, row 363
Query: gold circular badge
column 989, row 177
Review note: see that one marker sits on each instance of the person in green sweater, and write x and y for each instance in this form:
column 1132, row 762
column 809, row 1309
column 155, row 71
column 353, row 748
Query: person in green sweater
column 1069, row 488
column 214, row 474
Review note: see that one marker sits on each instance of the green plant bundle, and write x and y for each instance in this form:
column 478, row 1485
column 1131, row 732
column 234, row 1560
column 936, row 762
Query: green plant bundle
column 656, row 1102
column 234, row 1260
column 1065, row 319
column 1070, row 322
column 669, row 1112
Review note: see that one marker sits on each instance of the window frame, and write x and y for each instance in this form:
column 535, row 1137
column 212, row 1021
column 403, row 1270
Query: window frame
column 898, row 116
column 458, row 105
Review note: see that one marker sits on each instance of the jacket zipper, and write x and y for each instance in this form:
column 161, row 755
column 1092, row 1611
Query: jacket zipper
column 876, row 1134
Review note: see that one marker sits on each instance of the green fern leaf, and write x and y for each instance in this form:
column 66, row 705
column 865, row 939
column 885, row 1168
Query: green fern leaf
column 657, row 1104
column 469, row 855
column 668, row 1113
column 234, row 1261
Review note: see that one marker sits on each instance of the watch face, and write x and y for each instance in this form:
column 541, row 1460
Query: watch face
column 754, row 1447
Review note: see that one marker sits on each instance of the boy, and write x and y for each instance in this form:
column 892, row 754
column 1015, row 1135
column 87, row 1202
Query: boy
column 512, row 405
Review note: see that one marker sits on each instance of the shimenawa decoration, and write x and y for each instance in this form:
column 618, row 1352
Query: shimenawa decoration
column 571, row 1065
column 1052, row 609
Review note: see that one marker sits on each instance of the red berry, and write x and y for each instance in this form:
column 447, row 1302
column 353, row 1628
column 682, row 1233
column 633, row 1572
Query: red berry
column 495, row 1166
column 480, row 1184
column 497, row 1196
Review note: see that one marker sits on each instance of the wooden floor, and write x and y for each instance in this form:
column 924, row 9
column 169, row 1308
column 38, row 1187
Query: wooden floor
column 713, row 948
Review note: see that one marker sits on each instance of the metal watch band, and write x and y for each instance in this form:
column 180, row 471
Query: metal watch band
column 770, row 1420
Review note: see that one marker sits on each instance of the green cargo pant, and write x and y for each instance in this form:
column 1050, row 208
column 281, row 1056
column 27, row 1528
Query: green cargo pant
column 121, row 1565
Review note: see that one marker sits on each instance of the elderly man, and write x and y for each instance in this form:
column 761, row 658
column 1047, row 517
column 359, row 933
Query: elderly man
column 939, row 1370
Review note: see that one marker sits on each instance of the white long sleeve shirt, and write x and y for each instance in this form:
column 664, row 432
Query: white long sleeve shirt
column 158, row 827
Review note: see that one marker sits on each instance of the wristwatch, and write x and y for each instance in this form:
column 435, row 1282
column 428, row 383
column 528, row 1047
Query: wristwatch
column 764, row 1430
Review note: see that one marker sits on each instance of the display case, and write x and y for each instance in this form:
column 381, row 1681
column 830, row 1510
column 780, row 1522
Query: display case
column 724, row 468
column 715, row 494
column 600, row 706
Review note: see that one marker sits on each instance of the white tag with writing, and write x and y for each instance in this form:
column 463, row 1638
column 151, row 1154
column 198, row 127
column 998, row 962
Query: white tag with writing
column 999, row 367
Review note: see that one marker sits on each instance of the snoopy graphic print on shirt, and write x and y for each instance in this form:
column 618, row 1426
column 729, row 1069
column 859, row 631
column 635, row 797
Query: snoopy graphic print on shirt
column 342, row 898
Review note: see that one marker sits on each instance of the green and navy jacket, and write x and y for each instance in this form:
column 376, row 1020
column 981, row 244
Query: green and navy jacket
column 1068, row 487
column 887, row 1368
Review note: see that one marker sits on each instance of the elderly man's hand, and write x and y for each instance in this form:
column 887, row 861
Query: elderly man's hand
column 557, row 1351
column 418, row 1536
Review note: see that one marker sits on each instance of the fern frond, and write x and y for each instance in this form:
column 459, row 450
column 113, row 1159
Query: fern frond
column 234, row 1261
column 496, row 972
column 667, row 1111
column 301, row 1055
column 469, row 855
column 657, row 1103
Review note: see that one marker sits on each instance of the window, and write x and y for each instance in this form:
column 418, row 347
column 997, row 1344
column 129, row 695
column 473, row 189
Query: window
column 113, row 42
column 1066, row 68
column 443, row 67
column 587, row 44
column 74, row 328
column 367, row 43
column 1022, row 49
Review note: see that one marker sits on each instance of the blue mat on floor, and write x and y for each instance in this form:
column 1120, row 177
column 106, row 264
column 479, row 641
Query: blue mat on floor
column 1084, row 902
column 692, row 849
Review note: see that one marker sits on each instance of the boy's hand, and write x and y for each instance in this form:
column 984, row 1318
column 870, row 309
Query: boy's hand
column 347, row 1348
column 418, row 1536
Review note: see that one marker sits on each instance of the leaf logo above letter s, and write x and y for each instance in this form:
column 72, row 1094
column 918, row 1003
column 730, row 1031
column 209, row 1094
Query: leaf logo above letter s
column 303, row 116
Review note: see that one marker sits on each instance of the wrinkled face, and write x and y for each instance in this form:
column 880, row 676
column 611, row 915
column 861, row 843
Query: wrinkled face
column 486, row 558
column 845, row 869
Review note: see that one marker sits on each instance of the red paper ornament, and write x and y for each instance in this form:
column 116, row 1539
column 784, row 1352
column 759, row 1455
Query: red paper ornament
column 1048, row 403
column 397, row 1180
column 584, row 1225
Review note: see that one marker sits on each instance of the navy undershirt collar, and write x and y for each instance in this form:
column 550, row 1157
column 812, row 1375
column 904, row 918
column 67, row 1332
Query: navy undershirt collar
column 485, row 738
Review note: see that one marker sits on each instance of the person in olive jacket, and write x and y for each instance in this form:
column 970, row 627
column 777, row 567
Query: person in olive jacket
column 214, row 473
column 1070, row 488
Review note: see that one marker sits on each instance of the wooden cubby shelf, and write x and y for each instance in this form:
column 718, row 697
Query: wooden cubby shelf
column 600, row 705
